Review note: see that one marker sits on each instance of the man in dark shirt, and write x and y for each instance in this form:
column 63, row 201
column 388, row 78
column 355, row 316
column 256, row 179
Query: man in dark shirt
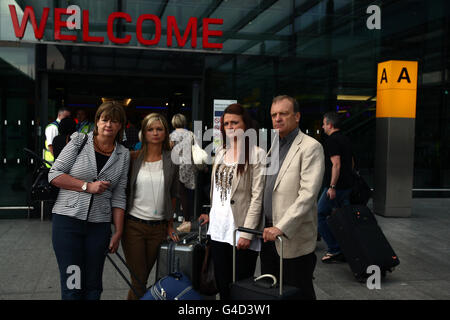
column 338, row 180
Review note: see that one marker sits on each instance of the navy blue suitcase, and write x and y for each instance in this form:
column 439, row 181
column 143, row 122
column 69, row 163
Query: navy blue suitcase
column 175, row 286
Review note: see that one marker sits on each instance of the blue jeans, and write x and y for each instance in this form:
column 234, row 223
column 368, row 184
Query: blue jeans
column 80, row 248
column 325, row 207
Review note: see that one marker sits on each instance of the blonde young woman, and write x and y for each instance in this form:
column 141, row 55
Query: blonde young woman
column 237, row 185
column 149, row 218
column 92, row 179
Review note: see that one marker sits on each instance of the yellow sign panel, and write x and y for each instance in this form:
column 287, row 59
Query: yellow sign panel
column 397, row 89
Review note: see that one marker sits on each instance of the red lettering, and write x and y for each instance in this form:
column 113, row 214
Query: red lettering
column 113, row 16
column 207, row 33
column 86, row 36
column 139, row 23
column 28, row 14
column 172, row 24
column 62, row 24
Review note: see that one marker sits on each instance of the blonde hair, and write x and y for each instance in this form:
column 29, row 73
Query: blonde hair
column 146, row 123
column 112, row 110
column 179, row 121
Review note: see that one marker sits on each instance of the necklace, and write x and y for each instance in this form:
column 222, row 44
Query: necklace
column 155, row 212
column 100, row 149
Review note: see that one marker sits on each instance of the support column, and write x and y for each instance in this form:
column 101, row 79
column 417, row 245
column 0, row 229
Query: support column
column 394, row 158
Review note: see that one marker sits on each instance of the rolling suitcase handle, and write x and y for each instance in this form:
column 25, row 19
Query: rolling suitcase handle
column 122, row 275
column 259, row 234
column 191, row 237
column 173, row 263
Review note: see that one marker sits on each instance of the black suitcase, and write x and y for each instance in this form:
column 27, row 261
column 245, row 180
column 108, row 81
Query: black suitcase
column 258, row 288
column 361, row 240
column 185, row 256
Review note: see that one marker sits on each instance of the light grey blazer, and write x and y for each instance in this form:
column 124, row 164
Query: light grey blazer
column 84, row 167
column 170, row 171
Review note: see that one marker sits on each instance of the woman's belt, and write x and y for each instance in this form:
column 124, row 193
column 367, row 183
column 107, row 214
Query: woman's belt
column 149, row 222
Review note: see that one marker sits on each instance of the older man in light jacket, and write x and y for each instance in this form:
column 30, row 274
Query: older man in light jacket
column 290, row 200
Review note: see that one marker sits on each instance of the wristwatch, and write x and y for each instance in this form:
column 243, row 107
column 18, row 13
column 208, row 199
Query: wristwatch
column 84, row 186
column 332, row 186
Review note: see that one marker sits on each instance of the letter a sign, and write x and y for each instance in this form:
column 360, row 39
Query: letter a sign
column 397, row 89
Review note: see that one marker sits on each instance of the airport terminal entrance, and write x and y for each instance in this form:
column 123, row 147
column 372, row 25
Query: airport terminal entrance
column 140, row 95
column 80, row 77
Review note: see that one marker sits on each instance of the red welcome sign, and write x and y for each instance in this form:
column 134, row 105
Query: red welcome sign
column 172, row 28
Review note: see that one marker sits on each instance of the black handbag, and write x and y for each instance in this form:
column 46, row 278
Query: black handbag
column 41, row 189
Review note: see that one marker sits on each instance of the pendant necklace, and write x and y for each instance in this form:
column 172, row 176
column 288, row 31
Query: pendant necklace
column 155, row 212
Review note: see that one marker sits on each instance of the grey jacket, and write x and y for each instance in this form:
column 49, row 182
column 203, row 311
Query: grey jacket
column 84, row 167
column 170, row 171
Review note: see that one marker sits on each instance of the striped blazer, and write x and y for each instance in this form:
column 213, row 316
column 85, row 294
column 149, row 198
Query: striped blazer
column 84, row 167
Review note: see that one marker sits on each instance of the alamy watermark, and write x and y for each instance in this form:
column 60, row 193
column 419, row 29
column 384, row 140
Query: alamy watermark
column 374, row 280
column 374, row 20
column 258, row 153
column 74, row 279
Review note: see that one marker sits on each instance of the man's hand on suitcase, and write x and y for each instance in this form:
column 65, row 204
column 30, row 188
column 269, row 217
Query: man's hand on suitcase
column 270, row 234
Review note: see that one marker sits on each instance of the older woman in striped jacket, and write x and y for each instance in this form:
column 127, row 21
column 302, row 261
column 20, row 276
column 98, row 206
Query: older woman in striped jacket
column 92, row 178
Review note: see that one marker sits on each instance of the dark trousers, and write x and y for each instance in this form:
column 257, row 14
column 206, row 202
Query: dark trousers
column 325, row 207
column 187, row 201
column 80, row 248
column 222, row 255
column 297, row 272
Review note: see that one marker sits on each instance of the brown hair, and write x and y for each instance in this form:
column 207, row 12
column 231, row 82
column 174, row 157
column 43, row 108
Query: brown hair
column 239, row 110
column 112, row 110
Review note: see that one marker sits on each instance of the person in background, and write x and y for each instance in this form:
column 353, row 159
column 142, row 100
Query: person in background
column 67, row 127
column 237, row 185
column 149, row 217
column 84, row 125
column 338, row 179
column 51, row 131
column 132, row 133
column 188, row 171
column 92, row 180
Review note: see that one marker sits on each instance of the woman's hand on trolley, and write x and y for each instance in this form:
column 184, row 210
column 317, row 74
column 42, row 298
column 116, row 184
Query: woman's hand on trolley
column 243, row 244
column 172, row 233
column 205, row 219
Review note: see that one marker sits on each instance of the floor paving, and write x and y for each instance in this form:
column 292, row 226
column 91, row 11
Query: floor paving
column 28, row 268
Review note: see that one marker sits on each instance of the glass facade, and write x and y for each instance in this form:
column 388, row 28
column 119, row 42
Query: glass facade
column 322, row 52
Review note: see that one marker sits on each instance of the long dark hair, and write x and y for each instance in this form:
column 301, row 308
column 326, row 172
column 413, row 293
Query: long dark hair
column 239, row 110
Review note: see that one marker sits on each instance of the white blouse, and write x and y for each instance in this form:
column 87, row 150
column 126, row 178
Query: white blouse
column 149, row 197
column 221, row 220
